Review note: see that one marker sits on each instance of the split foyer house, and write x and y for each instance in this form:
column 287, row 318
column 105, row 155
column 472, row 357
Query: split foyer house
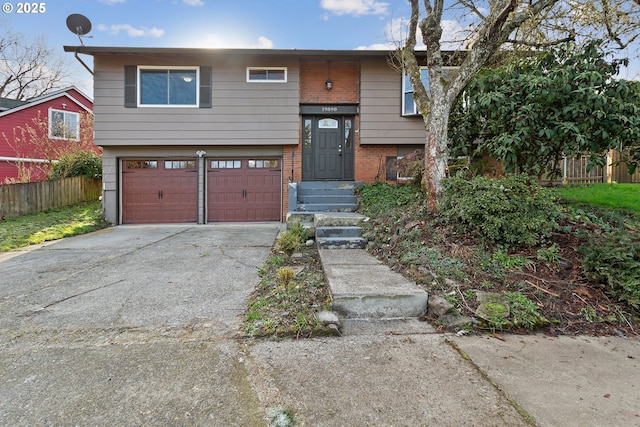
column 55, row 117
column 206, row 135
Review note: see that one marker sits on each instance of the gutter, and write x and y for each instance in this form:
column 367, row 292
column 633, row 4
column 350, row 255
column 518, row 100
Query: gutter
column 83, row 63
column 25, row 160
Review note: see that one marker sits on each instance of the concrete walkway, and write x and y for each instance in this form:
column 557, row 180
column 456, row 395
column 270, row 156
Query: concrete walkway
column 138, row 326
column 363, row 287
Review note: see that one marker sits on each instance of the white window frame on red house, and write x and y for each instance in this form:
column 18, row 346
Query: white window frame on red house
column 69, row 129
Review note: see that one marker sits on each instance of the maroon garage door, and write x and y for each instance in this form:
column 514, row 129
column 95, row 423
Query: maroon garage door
column 159, row 191
column 244, row 189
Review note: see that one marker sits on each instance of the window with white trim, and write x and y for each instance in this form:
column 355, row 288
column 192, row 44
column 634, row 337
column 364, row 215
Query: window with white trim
column 64, row 124
column 175, row 86
column 267, row 74
column 409, row 107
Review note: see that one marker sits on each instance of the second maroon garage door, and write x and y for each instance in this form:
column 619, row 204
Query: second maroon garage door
column 244, row 189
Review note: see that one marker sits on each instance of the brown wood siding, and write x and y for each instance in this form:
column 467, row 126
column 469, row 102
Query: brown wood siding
column 380, row 104
column 242, row 113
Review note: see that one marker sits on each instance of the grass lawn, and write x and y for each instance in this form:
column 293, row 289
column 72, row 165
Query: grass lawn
column 614, row 196
column 53, row 224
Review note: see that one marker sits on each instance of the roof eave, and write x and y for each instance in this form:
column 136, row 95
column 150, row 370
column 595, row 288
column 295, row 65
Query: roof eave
column 122, row 50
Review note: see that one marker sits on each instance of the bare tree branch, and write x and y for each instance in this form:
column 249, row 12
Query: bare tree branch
column 542, row 45
column 29, row 69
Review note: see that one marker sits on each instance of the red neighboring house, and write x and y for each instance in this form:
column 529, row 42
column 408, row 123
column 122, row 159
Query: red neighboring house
column 56, row 117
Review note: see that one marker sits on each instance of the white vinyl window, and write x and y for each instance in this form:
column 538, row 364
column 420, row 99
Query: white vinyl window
column 267, row 74
column 161, row 86
column 409, row 107
column 64, row 124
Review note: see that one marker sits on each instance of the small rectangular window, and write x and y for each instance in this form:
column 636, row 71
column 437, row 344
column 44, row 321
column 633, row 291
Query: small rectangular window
column 142, row 164
column 409, row 107
column 64, row 125
column 267, row 75
column 180, row 164
column 226, row 164
column 168, row 86
column 263, row 164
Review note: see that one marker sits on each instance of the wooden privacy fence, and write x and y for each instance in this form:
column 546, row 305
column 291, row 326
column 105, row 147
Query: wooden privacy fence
column 620, row 172
column 574, row 170
column 25, row 198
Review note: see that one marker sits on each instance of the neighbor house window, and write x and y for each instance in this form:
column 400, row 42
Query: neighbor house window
column 64, row 124
column 409, row 107
column 265, row 75
column 168, row 86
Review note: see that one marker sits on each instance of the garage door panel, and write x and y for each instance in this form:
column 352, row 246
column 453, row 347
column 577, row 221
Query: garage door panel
column 155, row 191
column 244, row 190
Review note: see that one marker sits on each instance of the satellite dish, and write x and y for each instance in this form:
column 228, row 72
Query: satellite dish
column 79, row 25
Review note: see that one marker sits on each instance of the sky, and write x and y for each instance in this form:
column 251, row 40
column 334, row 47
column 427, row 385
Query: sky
column 269, row 24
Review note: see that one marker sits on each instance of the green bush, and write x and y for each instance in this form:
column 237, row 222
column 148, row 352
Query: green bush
column 82, row 163
column 297, row 229
column 512, row 211
column 289, row 241
column 379, row 198
column 615, row 263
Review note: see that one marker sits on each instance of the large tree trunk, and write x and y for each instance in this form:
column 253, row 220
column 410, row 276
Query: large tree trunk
column 436, row 150
column 503, row 18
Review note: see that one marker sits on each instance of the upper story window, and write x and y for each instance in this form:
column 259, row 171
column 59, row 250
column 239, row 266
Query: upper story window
column 64, row 124
column 175, row 86
column 168, row 86
column 267, row 74
column 409, row 107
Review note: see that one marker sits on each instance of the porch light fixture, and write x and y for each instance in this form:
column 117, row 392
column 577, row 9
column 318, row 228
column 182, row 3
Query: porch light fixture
column 329, row 84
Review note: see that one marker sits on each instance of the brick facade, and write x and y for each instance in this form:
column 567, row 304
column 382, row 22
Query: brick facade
column 370, row 160
column 345, row 78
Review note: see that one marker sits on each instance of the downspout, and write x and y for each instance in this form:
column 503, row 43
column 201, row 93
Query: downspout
column 83, row 63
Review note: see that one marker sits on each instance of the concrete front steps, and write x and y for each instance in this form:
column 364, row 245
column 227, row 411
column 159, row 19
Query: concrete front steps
column 364, row 288
column 326, row 196
column 327, row 209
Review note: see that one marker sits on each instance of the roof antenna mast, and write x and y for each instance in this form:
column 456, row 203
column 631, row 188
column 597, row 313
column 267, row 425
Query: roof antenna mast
column 80, row 25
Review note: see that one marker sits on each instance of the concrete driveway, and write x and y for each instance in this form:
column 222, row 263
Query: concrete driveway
column 127, row 326
column 137, row 326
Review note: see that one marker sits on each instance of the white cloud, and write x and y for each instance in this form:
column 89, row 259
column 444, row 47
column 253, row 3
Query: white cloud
column 226, row 42
column 132, row 31
column 264, row 43
column 355, row 7
column 453, row 35
column 193, row 2
column 395, row 35
column 112, row 2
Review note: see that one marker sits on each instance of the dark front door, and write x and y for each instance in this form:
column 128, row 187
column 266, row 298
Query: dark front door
column 328, row 148
column 328, row 152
